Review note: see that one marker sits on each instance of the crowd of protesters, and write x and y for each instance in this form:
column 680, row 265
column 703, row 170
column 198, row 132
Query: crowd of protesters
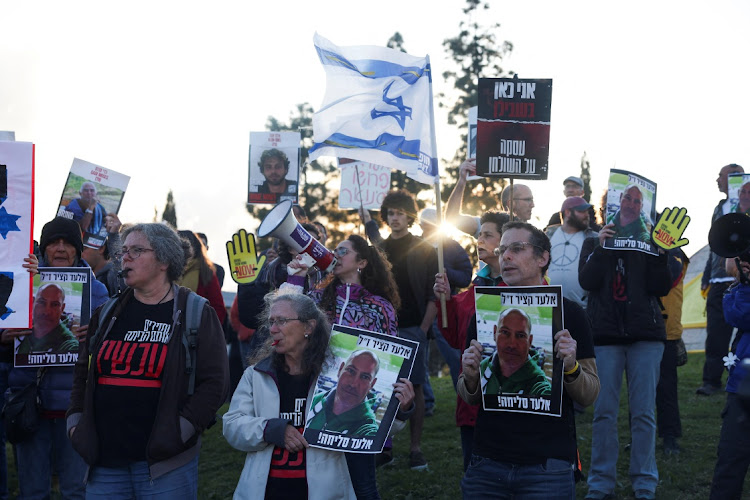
column 126, row 420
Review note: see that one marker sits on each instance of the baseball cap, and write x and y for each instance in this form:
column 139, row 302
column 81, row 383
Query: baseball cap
column 575, row 179
column 575, row 203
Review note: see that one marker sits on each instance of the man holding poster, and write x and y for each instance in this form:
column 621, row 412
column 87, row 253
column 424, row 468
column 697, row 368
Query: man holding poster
column 526, row 454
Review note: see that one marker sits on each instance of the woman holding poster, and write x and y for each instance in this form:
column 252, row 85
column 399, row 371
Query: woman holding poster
column 361, row 293
column 268, row 408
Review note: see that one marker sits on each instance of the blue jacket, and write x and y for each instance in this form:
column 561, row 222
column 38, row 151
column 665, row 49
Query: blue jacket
column 57, row 382
column 737, row 313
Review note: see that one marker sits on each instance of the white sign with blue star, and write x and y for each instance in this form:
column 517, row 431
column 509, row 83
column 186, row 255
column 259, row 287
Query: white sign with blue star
column 16, row 216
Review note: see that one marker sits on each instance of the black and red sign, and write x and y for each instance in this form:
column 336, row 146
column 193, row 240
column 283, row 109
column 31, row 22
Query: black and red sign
column 513, row 128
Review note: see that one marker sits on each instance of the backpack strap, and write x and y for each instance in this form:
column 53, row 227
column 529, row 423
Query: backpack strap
column 193, row 312
column 103, row 315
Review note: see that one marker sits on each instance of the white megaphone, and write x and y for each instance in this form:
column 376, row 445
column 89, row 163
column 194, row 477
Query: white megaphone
column 280, row 223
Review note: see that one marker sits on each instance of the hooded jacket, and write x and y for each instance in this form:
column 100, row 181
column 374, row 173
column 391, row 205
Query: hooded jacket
column 180, row 418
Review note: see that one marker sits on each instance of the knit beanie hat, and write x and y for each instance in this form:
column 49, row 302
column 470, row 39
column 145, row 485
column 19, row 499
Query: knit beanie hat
column 60, row 227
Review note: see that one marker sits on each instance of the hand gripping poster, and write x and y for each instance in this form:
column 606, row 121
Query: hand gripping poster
column 16, row 226
column 62, row 303
column 273, row 170
column 631, row 207
column 91, row 193
column 355, row 402
column 513, row 127
column 519, row 371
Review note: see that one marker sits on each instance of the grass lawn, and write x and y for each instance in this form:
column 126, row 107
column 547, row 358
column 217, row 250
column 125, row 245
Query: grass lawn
column 685, row 476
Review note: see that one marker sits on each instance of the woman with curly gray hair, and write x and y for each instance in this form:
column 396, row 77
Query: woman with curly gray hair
column 136, row 413
column 268, row 409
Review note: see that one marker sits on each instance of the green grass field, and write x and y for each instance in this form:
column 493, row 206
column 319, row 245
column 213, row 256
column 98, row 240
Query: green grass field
column 685, row 476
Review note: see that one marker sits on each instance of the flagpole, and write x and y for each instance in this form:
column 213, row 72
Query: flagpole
column 359, row 187
column 438, row 208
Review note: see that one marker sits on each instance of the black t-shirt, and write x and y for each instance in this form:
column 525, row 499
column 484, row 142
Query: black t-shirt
column 525, row 438
column 128, row 370
column 397, row 250
column 287, row 478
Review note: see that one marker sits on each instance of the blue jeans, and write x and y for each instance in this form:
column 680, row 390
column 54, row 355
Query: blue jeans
column 640, row 361
column 134, row 481
column 486, row 478
column 362, row 472
column 50, row 445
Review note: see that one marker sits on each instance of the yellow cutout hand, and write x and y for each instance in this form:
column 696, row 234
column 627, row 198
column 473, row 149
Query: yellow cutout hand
column 243, row 261
column 668, row 230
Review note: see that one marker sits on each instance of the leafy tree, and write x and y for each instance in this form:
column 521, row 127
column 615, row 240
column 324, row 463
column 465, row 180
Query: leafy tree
column 170, row 213
column 475, row 53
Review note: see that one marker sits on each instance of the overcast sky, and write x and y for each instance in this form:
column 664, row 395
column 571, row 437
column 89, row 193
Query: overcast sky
column 168, row 92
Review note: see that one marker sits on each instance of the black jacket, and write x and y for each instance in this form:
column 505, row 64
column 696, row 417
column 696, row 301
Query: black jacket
column 637, row 318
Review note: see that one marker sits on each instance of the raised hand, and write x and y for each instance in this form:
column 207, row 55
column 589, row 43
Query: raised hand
column 243, row 261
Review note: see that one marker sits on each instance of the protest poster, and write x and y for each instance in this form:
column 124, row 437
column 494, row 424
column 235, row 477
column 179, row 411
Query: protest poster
column 513, row 127
column 90, row 194
column 16, row 227
column 354, row 405
column 273, row 167
column 738, row 191
column 519, row 371
column 631, row 207
column 363, row 184
column 62, row 301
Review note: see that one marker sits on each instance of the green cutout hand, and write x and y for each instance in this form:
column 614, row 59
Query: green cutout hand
column 668, row 230
column 243, row 261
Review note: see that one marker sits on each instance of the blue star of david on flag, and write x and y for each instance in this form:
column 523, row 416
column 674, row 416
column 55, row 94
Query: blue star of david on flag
column 7, row 222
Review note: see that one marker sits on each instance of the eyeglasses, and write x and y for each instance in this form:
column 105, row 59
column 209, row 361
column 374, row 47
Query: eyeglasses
column 132, row 252
column 528, row 200
column 281, row 321
column 515, row 248
column 341, row 251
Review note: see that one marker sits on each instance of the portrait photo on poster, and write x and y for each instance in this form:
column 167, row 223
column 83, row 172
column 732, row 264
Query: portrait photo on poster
column 631, row 207
column 62, row 301
column 273, row 167
column 353, row 407
column 519, row 371
column 90, row 194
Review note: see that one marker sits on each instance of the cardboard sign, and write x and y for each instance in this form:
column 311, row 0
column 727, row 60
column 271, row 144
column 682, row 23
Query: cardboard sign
column 16, row 227
column 363, row 184
column 90, row 194
column 358, row 422
column 513, row 127
column 62, row 301
column 273, row 169
column 631, row 206
column 535, row 387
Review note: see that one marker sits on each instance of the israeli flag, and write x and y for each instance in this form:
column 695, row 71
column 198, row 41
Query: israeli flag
column 377, row 108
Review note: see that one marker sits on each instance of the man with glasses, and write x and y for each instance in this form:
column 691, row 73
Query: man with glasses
column 529, row 455
column 523, row 201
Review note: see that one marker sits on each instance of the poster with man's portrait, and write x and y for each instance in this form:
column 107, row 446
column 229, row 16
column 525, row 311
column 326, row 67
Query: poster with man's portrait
column 738, row 191
column 355, row 403
column 519, row 371
column 90, row 194
column 631, row 207
column 273, row 170
column 16, row 228
column 62, row 302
